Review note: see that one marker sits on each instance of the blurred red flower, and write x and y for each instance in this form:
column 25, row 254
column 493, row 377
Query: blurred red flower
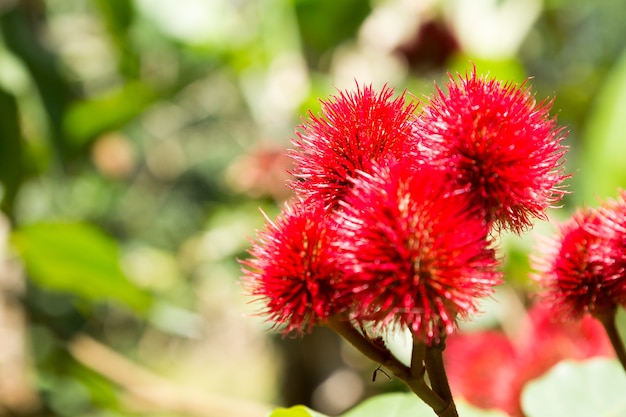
column 496, row 141
column 354, row 130
column 412, row 251
column 577, row 268
column 490, row 370
column 290, row 270
column 481, row 368
column 262, row 171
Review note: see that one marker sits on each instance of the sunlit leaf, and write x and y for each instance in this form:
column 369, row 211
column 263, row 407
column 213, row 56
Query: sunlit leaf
column 595, row 387
column 77, row 258
column 391, row 405
column 297, row 411
column 407, row 404
column 506, row 69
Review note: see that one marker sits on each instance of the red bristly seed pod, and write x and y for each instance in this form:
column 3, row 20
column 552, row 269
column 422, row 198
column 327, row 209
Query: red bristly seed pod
column 354, row 129
column 494, row 140
column 412, row 251
column 291, row 272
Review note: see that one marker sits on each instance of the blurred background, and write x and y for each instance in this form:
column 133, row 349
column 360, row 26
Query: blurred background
column 138, row 139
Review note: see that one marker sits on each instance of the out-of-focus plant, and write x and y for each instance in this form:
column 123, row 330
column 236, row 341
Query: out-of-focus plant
column 115, row 139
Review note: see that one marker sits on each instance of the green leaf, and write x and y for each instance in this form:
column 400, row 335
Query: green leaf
column 467, row 410
column 407, row 404
column 602, row 169
column 391, row 405
column 80, row 259
column 88, row 119
column 504, row 70
column 594, row 387
column 119, row 16
column 20, row 35
column 324, row 25
column 11, row 168
column 297, row 411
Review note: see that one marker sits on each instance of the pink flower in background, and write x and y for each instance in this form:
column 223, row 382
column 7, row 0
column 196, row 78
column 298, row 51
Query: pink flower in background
column 490, row 370
column 412, row 250
column 261, row 172
column 354, row 130
column 494, row 140
column 577, row 268
column 545, row 339
column 291, row 271
column 481, row 369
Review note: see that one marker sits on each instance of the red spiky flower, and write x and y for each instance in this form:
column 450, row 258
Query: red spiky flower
column 355, row 128
column 497, row 142
column 576, row 268
column 412, row 250
column 291, row 271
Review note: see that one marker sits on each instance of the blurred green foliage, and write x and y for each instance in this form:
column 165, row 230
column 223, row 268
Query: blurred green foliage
column 138, row 138
column 78, row 259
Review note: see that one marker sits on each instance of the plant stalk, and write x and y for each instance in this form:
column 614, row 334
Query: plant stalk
column 608, row 321
column 444, row 407
column 363, row 344
column 412, row 376
column 435, row 368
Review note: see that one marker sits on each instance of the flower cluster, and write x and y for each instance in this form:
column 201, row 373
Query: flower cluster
column 396, row 206
column 583, row 268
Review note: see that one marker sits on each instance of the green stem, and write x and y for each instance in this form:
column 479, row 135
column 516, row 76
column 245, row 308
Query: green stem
column 608, row 321
column 440, row 405
column 413, row 377
column 435, row 368
column 430, row 397
column 417, row 357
